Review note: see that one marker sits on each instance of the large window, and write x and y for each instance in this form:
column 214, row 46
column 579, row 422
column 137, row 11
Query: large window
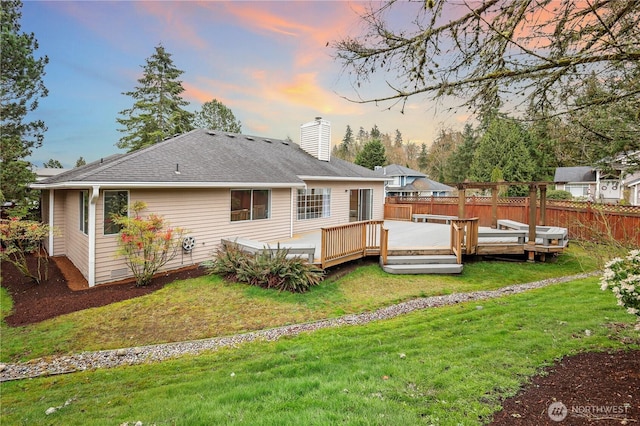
column 314, row 203
column 250, row 204
column 84, row 211
column 115, row 203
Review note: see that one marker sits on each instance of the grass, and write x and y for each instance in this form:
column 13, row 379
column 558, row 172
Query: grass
column 208, row 307
column 451, row 365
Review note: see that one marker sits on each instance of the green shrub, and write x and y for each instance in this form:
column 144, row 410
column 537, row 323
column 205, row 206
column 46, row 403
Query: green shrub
column 559, row 194
column 266, row 269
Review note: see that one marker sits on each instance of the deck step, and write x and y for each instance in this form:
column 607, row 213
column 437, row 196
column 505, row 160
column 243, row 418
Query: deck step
column 421, row 259
column 436, row 268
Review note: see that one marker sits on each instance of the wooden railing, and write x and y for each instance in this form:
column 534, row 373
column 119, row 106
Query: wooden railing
column 351, row 241
column 398, row 211
column 464, row 237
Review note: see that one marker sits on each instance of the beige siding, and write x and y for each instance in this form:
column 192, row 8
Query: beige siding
column 205, row 214
column 59, row 223
column 339, row 204
column 75, row 242
column 44, row 215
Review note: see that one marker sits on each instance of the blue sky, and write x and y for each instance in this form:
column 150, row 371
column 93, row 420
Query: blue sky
column 267, row 61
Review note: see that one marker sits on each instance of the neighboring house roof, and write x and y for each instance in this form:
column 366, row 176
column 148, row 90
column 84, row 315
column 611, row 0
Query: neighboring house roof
column 575, row 174
column 203, row 158
column 397, row 170
column 47, row 172
column 426, row 184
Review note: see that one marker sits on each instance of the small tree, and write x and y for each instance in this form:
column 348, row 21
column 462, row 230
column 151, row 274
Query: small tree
column 145, row 243
column 215, row 115
column 372, row 155
column 20, row 238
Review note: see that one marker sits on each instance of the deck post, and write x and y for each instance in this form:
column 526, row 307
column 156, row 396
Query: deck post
column 462, row 197
column 543, row 205
column 494, row 207
column 532, row 221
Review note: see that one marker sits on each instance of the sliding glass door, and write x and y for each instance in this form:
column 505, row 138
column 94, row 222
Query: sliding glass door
column 360, row 204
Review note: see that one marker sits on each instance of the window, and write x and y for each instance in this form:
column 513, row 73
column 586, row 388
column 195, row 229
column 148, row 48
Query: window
column 250, row 204
column 314, row 203
column 115, row 203
column 578, row 190
column 84, row 212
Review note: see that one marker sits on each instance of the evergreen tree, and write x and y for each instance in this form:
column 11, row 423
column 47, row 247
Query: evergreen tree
column 458, row 164
column 398, row 139
column 344, row 150
column 423, row 158
column 21, row 87
column 375, row 132
column 157, row 112
column 504, row 146
column 441, row 151
column 53, row 164
column 372, row 155
column 81, row 162
column 215, row 115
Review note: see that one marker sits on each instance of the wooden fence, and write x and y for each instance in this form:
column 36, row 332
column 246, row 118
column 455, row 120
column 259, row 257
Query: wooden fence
column 351, row 241
column 584, row 220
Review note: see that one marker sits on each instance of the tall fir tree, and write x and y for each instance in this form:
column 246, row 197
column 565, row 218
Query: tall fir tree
column 21, row 85
column 504, row 146
column 397, row 142
column 457, row 169
column 157, row 111
column 423, row 158
column 345, row 149
column 372, row 155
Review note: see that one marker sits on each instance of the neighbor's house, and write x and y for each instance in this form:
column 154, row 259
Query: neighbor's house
column 215, row 185
column 591, row 183
column 406, row 182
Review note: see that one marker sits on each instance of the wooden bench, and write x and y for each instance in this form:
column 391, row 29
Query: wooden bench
column 512, row 224
column 254, row 247
column 550, row 235
column 503, row 233
column 419, row 217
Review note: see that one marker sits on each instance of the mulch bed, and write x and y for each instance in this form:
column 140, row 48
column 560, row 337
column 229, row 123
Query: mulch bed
column 594, row 388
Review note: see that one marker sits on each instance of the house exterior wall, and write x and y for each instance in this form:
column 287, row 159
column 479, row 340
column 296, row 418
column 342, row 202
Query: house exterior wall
column 73, row 242
column 204, row 213
column 339, row 204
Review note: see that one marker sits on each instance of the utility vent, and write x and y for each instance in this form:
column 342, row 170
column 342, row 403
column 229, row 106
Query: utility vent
column 267, row 140
column 211, row 133
column 249, row 138
column 285, row 143
column 315, row 138
column 230, row 135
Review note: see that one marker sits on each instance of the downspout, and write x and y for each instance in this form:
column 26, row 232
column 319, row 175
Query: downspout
column 93, row 200
column 597, row 186
column 51, row 210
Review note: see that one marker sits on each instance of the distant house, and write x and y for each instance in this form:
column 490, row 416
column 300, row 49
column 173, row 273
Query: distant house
column 47, row 172
column 215, row 185
column 406, row 182
column 581, row 182
column 590, row 183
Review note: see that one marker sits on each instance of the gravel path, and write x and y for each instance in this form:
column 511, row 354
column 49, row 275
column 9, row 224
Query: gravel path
column 53, row 365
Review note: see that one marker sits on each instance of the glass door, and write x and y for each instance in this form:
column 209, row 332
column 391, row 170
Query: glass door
column 360, row 204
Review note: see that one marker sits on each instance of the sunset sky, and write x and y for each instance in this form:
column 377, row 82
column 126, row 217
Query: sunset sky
column 267, row 61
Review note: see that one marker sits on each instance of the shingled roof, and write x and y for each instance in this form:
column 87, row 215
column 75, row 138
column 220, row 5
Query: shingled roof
column 203, row 158
column 574, row 174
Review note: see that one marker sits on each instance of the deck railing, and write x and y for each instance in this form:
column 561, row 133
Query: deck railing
column 464, row 237
column 351, row 241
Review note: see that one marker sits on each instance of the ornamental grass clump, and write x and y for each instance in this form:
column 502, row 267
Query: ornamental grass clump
column 266, row 269
column 145, row 243
column 622, row 277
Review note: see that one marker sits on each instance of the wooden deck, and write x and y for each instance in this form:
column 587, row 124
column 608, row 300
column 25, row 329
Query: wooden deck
column 404, row 238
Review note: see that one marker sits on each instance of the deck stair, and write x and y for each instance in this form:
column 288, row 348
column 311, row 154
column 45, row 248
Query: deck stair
column 422, row 264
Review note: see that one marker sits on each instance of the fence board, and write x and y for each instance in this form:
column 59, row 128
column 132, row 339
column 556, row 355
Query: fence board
column 584, row 220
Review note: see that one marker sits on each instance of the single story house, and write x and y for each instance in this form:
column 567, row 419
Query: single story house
column 406, row 182
column 215, row 185
column 589, row 183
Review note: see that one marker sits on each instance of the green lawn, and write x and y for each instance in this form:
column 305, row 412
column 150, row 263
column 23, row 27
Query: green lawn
column 209, row 307
column 450, row 365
